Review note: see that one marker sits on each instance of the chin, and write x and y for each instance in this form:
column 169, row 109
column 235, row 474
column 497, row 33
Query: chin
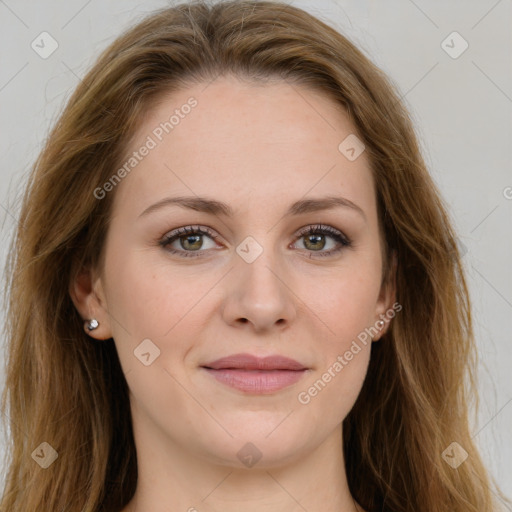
column 250, row 448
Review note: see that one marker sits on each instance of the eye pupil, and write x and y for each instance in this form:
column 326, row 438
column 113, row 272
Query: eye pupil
column 187, row 239
column 316, row 239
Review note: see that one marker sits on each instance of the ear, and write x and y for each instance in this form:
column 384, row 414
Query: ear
column 386, row 304
column 87, row 294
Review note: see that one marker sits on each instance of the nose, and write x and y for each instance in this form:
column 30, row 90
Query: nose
column 259, row 295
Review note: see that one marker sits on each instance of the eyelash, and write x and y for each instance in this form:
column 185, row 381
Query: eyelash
column 200, row 230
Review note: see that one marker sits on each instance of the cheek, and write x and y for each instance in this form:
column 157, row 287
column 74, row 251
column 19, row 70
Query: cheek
column 346, row 307
column 333, row 391
column 347, row 302
column 147, row 299
column 343, row 358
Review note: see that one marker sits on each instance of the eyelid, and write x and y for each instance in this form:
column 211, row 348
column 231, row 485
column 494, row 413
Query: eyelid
column 192, row 229
column 323, row 229
column 326, row 229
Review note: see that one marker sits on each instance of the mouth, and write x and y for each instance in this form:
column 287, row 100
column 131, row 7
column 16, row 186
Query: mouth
column 256, row 375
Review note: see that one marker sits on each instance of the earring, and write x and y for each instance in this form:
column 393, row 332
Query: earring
column 380, row 324
column 91, row 324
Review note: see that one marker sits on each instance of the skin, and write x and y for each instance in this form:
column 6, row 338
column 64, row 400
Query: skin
column 258, row 148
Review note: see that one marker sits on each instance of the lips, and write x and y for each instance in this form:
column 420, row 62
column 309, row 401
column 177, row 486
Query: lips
column 250, row 362
column 256, row 375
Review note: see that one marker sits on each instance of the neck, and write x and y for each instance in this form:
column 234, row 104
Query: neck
column 174, row 479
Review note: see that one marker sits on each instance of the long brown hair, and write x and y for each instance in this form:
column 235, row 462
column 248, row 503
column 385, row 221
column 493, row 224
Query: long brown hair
column 65, row 390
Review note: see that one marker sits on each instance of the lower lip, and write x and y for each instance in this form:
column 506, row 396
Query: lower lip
column 257, row 381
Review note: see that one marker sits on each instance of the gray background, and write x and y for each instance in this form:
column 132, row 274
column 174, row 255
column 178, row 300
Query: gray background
column 462, row 108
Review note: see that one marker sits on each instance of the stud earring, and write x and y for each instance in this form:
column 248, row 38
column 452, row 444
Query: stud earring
column 92, row 324
column 380, row 324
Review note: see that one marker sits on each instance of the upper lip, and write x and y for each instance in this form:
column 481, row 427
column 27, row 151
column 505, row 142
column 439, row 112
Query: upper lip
column 250, row 362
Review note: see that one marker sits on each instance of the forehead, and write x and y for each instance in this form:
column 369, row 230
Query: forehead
column 235, row 140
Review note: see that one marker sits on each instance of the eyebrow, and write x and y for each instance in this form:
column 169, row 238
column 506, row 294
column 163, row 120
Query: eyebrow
column 214, row 207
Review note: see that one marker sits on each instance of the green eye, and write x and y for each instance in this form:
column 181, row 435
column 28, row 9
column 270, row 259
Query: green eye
column 191, row 240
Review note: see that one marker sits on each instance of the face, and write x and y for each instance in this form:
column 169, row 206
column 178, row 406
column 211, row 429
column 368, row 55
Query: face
column 270, row 270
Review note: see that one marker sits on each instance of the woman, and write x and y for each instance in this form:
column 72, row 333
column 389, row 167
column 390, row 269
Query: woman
column 230, row 217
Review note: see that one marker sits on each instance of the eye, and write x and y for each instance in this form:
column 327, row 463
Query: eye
column 315, row 240
column 190, row 240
